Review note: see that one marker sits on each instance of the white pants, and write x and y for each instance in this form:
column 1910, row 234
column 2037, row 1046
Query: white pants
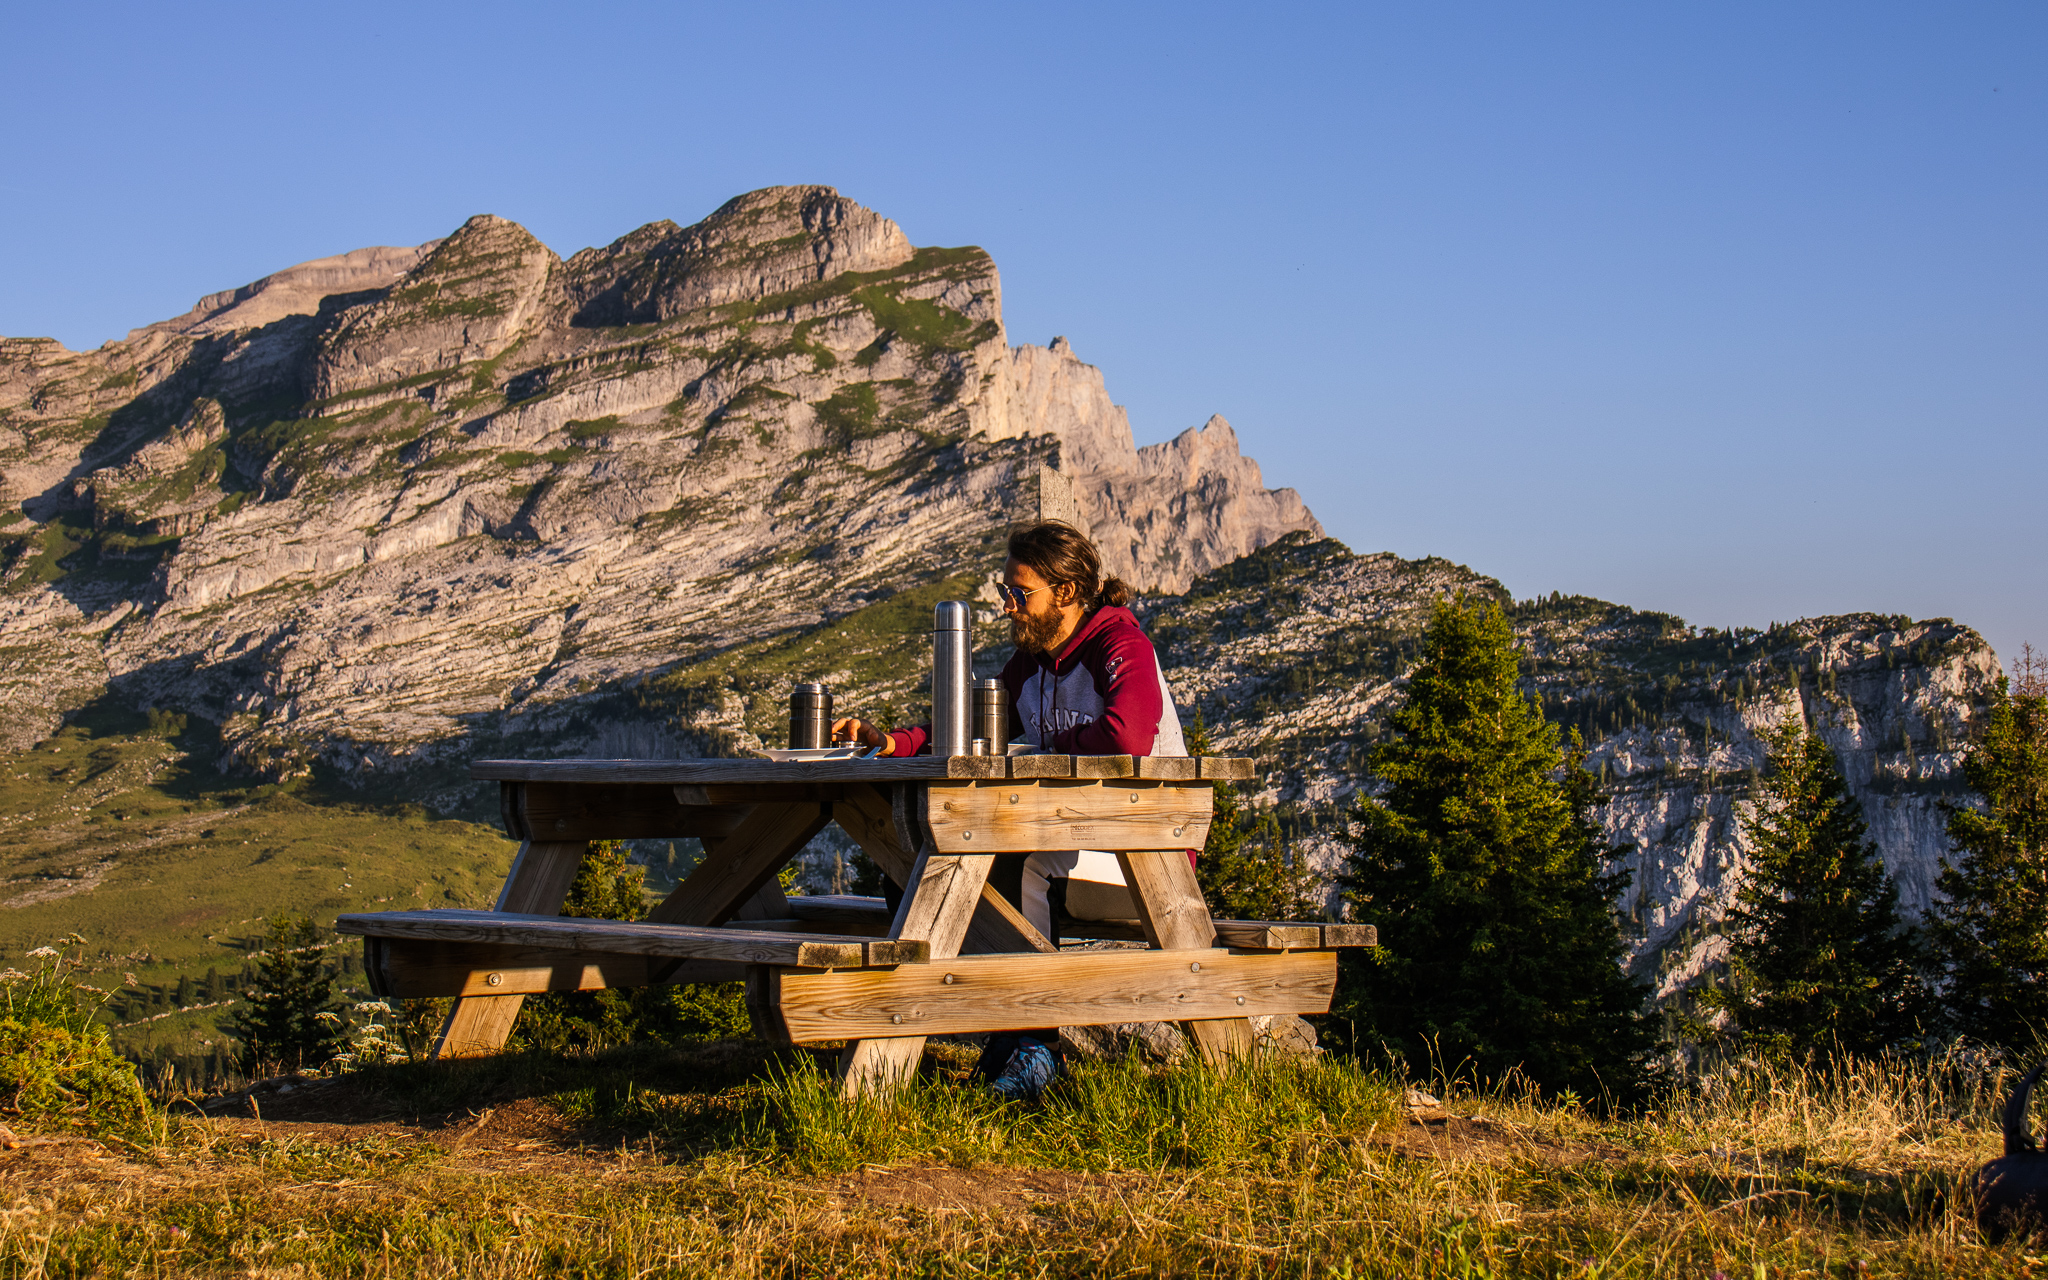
column 1095, row 887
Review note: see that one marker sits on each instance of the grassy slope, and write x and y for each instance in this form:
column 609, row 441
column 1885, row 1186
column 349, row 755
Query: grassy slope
column 717, row 1159
column 168, row 869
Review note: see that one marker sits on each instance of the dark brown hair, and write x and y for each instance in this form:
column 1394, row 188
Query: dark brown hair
column 1061, row 553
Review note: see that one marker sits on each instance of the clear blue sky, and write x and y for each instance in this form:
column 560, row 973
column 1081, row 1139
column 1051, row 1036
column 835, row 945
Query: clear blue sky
column 1732, row 309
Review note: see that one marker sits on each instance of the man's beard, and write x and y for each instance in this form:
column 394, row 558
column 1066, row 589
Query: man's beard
column 1034, row 633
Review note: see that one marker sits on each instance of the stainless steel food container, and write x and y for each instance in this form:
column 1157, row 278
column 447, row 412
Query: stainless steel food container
column 810, row 716
column 952, row 667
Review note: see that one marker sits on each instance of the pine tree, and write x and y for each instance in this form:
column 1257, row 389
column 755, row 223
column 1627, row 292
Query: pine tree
column 1992, row 930
column 280, row 1022
column 607, row 887
column 1481, row 863
column 1248, row 875
column 1818, row 956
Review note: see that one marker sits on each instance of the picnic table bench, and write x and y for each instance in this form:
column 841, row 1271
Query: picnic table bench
column 955, row 956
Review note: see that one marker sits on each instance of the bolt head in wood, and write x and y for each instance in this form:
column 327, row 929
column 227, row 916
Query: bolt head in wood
column 1176, row 831
column 1240, row 999
column 896, row 1018
column 967, row 835
column 1196, row 967
column 1013, row 797
column 1134, row 797
column 495, row 980
column 948, row 979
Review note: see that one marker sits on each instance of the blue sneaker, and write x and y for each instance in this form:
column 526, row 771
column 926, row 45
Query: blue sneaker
column 1031, row 1067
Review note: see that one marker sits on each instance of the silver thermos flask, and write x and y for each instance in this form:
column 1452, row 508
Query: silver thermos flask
column 952, row 666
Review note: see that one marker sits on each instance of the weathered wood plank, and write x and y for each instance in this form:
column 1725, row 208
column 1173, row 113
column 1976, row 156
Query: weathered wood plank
column 992, row 993
column 672, row 772
column 1169, row 899
column 832, row 908
column 408, row 969
column 1266, row 935
column 612, row 811
column 769, row 836
column 1351, row 935
column 539, row 880
column 1104, row 767
column 1005, row 817
column 1229, row 768
column 941, row 899
column 1176, row 919
column 1169, row 768
column 998, row 928
column 572, row 933
column 1046, row 766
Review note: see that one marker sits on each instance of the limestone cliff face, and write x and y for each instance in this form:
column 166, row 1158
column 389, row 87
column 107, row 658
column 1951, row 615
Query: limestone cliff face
column 384, row 510
column 1298, row 654
column 1162, row 515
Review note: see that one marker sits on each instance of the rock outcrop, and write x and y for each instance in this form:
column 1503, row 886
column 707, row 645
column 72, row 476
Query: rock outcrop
column 376, row 510
column 1162, row 515
column 1298, row 653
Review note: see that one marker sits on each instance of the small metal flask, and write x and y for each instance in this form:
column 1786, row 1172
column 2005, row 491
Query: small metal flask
column 810, row 716
column 992, row 714
column 952, row 666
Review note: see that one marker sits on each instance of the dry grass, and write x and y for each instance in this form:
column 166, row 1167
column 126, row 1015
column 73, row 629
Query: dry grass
column 610, row 1168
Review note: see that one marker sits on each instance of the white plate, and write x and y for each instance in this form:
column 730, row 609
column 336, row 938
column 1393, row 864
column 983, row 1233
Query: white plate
column 814, row 753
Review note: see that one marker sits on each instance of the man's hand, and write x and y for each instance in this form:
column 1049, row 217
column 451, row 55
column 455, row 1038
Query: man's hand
column 855, row 729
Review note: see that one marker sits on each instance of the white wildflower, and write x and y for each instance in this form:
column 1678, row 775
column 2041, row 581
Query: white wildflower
column 373, row 1006
column 13, row 975
column 43, row 953
column 326, row 1016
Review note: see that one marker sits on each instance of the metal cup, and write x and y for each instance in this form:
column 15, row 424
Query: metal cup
column 810, row 717
column 992, row 714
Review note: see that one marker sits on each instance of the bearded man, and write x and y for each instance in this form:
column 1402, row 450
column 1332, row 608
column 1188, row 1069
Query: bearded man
column 1084, row 681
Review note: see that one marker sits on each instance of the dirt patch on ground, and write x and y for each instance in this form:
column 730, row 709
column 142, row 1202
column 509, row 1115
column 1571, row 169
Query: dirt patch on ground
column 948, row 1189
column 336, row 1111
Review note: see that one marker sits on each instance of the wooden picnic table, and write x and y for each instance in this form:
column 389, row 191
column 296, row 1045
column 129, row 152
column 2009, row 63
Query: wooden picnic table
column 955, row 957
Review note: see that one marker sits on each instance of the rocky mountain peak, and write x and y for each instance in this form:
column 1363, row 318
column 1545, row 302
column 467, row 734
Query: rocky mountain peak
column 756, row 245
column 476, row 494
column 465, row 301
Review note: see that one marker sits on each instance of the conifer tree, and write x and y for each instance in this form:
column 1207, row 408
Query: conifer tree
column 280, row 1022
column 1481, row 863
column 1258, row 878
column 1992, row 930
column 1818, row 956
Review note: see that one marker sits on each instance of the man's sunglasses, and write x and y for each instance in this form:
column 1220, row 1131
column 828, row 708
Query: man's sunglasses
column 1014, row 597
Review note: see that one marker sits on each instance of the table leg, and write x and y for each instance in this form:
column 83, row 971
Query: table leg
column 997, row 926
column 538, row 882
column 1170, row 907
column 770, row 835
column 941, row 895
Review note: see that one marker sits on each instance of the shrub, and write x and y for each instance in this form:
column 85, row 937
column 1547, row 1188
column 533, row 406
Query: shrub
column 55, row 1058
